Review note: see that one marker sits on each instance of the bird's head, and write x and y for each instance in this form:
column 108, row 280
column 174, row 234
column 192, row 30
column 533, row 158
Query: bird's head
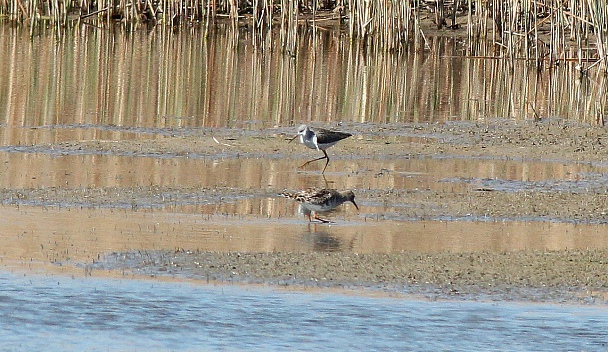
column 301, row 132
column 350, row 196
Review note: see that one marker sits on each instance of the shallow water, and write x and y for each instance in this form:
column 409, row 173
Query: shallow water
column 59, row 313
column 33, row 236
column 45, row 167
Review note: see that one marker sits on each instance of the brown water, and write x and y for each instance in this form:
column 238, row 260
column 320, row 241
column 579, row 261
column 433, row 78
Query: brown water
column 43, row 169
column 58, row 235
column 165, row 78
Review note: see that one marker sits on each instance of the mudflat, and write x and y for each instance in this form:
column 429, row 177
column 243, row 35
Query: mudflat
column 564, row 275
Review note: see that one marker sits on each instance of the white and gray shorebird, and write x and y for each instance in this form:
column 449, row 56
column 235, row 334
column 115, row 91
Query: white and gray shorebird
column 319, row 139
column 321, row 200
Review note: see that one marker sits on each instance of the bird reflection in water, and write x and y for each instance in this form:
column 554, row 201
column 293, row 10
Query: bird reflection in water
column 323, row 241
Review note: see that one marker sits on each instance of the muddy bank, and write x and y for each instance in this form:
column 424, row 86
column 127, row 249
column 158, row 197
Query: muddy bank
column 551, row 139
column 565, row 276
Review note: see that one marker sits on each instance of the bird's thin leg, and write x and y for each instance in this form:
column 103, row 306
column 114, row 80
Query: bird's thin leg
column 314, row 227
column 310, row 161
column 327, row 163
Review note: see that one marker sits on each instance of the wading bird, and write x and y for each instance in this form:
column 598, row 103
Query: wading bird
column 319, row 139
column 320, row 200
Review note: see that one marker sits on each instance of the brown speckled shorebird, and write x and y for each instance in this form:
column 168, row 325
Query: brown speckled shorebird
column 321, row 200
column 319, row 139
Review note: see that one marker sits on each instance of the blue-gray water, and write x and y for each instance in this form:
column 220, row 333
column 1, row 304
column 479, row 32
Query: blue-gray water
column 60, row 313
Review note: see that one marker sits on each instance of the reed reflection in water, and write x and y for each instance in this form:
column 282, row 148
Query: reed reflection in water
column 165, row 78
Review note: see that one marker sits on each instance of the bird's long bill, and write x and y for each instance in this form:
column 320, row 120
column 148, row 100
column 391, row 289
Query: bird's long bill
column 294, row 137
column 355, row 204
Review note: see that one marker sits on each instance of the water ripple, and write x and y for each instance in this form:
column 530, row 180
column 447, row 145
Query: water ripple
column 100, row 314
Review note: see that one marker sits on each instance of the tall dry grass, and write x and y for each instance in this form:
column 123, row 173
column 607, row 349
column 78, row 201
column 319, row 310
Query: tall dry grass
column 545, row 32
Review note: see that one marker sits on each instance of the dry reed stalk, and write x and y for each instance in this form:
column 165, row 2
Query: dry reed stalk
column 256, row 14
column 269, row 14
column 351, row 22
column 283, row 30
column 289, row 27
column 234, row 10
column 599, row 15
column 537, row 41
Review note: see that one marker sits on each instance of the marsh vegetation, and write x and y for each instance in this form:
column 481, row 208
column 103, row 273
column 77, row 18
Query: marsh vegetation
column 546, row 32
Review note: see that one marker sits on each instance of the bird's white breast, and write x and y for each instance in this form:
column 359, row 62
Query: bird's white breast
column 310, row 140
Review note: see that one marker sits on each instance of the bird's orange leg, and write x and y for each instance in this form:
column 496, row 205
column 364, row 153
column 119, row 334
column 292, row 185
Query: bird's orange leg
column 325, row 221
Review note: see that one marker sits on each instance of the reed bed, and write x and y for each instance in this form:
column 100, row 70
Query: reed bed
column 545, row 32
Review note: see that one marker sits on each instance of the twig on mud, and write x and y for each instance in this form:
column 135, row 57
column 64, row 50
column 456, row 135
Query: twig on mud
column 218, row 142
